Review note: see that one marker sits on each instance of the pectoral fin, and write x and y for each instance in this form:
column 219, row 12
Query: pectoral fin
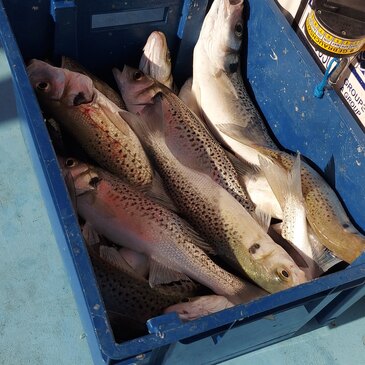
column 161, row 274
column 91, row 237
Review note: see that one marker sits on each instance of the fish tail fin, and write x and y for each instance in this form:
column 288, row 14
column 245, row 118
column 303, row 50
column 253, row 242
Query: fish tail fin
column 90, row 235
column 282, row 182
column 114, row 258
column 324, row 258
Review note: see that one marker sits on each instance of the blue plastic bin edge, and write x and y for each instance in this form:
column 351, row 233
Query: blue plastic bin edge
column 69, row 238
column 56, row 198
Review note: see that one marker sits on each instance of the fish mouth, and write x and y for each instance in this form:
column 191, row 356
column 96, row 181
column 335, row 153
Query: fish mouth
column 231, row 50
column 156, row 47
column 81, row 98
column 86, row 182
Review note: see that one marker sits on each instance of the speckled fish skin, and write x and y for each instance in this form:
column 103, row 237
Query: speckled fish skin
column 92, row 119
column 228, row 227
column 187, row 136
column 128, row 218
column 217, row 80
column 129, row 294
column 324, row 211
column 102, row 86
column 156, row 60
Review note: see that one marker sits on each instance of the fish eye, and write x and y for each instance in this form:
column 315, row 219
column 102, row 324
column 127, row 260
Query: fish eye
column 283, row 274
column 42, row 85
column 70, row 162
column 238, row 29
column 138, row 75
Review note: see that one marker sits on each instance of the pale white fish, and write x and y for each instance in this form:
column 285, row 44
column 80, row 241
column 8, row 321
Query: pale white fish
column 156, row 60
column 287, row 188
column 217, row 80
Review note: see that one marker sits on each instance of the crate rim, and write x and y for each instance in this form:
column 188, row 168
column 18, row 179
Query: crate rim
column 352, row 276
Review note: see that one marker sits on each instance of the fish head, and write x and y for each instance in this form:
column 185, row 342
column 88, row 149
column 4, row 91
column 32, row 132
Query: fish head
column 156, row 60
column 281, row 272
column 54, row 84
column 49, row 82
column 137, row 88
column 80, row 177
column 222, row 33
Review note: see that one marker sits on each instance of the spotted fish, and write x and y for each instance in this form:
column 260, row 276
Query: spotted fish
column 92, row 119
column 128, row 218
column 217, row 215
column 186, row 135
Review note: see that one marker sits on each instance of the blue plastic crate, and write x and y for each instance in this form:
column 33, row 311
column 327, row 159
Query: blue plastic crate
column 281, row 75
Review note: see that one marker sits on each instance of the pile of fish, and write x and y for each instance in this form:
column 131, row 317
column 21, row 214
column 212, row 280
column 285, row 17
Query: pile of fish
column 185, row 201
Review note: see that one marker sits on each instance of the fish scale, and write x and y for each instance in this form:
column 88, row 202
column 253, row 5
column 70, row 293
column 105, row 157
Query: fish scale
column 246, row 109
column 192, row 204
